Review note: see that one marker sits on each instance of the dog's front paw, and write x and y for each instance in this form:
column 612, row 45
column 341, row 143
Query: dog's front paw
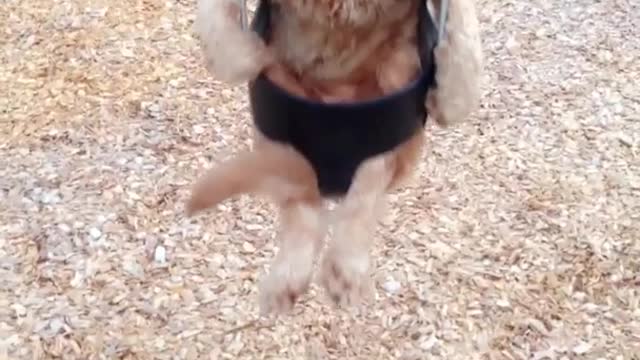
column 345, row 276
column 287, row 280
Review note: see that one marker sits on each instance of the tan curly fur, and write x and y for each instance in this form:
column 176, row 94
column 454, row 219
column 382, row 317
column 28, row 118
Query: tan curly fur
column 330, row 50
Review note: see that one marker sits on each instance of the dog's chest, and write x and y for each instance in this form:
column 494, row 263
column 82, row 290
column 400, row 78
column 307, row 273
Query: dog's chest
column 324, row 41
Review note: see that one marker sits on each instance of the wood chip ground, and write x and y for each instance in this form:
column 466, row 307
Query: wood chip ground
column 519, row 238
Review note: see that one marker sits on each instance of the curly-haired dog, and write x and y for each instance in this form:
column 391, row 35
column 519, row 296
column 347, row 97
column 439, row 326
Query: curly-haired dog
column 331, row 50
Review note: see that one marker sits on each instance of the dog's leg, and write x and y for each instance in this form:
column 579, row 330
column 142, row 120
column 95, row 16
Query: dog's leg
column 459, row 64
column 292, row 184
column 285, row 176
column 301, row 234
column 345, row 267
column 233, row 55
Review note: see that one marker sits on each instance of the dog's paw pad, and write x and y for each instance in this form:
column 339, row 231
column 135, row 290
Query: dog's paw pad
column 346, row 278
column 278, row 300
column 285, row 283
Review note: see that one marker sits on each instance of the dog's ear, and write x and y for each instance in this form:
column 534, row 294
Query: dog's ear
column 459, row 65
column 233, row 54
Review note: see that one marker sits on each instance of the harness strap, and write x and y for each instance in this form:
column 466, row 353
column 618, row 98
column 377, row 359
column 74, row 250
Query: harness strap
column 336, row 138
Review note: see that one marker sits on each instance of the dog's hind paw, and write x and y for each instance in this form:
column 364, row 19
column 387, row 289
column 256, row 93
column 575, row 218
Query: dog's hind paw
column 287, row 280
column 345, row 277
column 279, row 298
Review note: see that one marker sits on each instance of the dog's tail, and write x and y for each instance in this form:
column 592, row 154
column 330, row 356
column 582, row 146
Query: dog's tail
column 272, row 170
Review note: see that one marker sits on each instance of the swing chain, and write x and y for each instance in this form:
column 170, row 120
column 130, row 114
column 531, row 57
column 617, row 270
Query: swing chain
column 442, row 22
column 244, row 17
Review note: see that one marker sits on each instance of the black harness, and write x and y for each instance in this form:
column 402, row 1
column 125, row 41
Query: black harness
column 337, row 138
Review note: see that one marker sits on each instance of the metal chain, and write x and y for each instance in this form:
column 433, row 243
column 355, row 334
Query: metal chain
column 244, row 16
column 442, row 22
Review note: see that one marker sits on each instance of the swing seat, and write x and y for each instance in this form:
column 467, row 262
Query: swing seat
column 337, row 137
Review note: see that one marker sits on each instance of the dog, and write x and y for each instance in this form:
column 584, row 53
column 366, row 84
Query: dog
column 331, row 51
